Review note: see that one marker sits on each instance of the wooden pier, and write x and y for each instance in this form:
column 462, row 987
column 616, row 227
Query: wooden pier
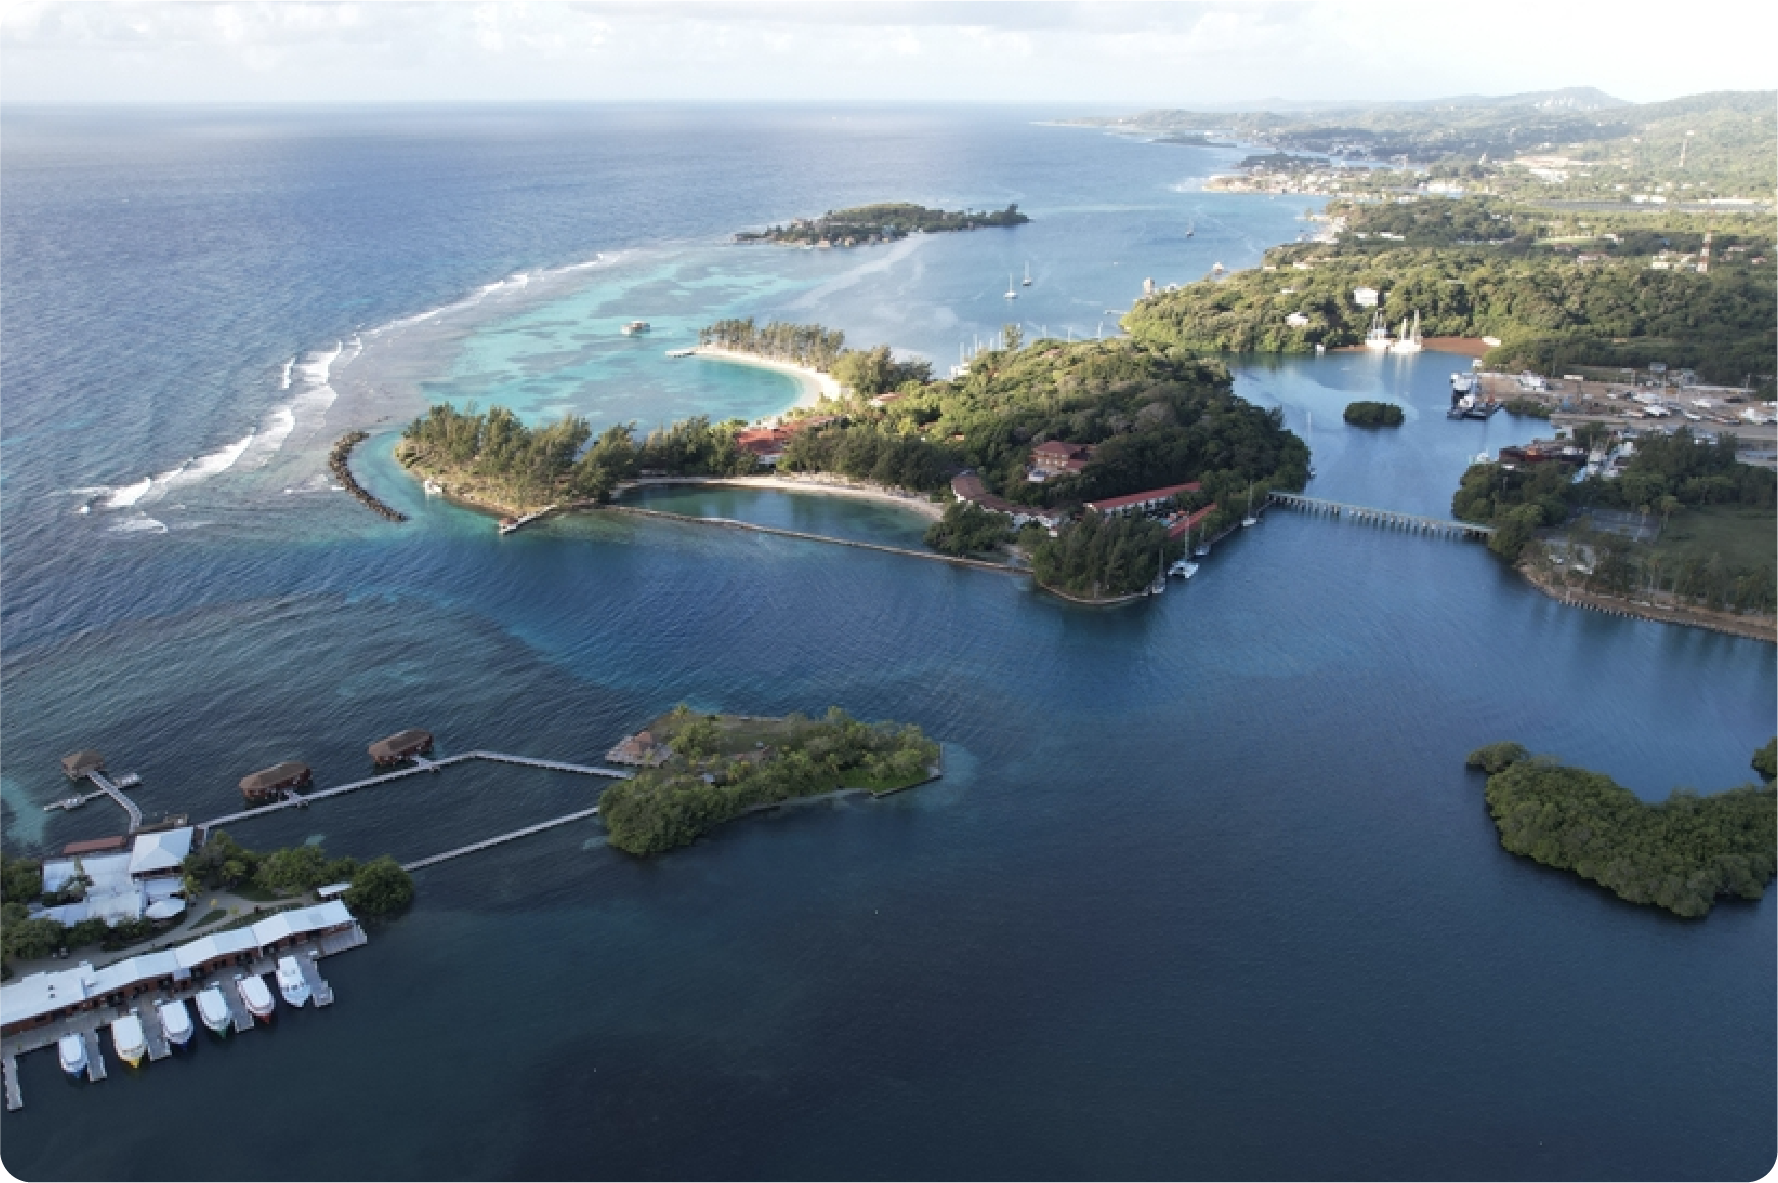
column 159, row 1048
column 303, row 800
column 237, row 1006
column 14, row 1098
column 95, row 1058
column 485, row 843
column 319, row 990
column 1395, row 519
column 111, row 790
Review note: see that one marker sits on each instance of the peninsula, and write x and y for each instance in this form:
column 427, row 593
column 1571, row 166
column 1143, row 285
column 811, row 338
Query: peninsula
column 1679, row 854
column 868, row 225
column 698, row 771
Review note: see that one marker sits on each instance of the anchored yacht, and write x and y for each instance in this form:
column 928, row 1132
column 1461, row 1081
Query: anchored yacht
column 213, row 1008
column 130, row 1039
column 175, row 1021
column 71, row 1049
column 1378, row 337
column 291, row 983
column 256, row 996
column 1410, row 338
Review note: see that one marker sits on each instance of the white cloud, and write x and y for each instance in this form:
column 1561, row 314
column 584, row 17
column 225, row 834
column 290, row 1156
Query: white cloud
column 1125, row 54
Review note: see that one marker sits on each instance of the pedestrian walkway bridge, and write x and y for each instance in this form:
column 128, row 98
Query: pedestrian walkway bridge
column 1381, row 517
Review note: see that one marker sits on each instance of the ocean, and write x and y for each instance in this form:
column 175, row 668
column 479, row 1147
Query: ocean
column 1206, row 891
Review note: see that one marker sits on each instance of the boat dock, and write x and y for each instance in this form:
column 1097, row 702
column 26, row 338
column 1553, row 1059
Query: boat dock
column 88, row 1023
column 109, row 788
column 420, row 764
column 1381, row 517
column 732, row 524
column 485, row 843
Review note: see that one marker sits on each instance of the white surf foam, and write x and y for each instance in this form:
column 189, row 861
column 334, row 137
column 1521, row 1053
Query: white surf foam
column 128, row 495
column 143, row 525
column 284, row 378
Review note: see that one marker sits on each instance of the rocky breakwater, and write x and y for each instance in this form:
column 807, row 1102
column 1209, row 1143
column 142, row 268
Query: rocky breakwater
column 339, row 462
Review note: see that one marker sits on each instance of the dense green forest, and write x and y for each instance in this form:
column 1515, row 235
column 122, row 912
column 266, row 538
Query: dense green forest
column 1679, row 854
column 724, row 765
column 1666, row 474
column 968, row 530
column 1157, row 416
column 1483, row 273
column 1100, row 557
column 492, row 457
column 884, row 222
column 1366, row 413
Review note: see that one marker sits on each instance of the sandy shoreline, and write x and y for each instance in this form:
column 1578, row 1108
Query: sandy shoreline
column 824, row 484
column 816, row 385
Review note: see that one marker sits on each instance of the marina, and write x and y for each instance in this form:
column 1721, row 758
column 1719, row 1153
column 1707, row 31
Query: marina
column 135, row 996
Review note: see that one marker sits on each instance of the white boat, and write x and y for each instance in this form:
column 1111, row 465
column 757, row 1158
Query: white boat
column 433, row 488
column 1183, row 568
column 213, row 1008
column 71, row 1049
column 175, row 1021
column 255, row 995
column 1012, row 293
column 635, row 328
column 1249, row 520
column 1378, row 337
column 291, row 983
column 1410, row 338
column 1027, row 273
column 130, row 1039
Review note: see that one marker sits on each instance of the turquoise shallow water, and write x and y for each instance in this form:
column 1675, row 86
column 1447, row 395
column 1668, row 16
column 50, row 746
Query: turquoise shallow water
column 1206, row 892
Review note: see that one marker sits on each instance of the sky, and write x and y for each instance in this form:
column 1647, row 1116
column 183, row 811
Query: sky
column 1104, row 54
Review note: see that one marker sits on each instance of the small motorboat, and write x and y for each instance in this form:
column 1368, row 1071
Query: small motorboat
column 71, row 1050
column 131, row 1041
column 213, row 1008
column 1183, row 568
column 636, row 328
column 175, row 1021
column 256, row 996
column 291, row 983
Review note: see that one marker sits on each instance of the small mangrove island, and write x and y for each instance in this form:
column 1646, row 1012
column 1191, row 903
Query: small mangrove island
column 868, row 225
column 700, row 770
column 1366, row 413
column 1679, row 854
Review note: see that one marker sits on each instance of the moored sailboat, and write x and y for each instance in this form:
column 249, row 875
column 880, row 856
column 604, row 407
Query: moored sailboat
column 1410, row 338
column 1378, row 337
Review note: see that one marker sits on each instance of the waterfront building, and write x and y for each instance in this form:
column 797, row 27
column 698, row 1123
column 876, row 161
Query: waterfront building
column 42, row 998
column 1141, row 502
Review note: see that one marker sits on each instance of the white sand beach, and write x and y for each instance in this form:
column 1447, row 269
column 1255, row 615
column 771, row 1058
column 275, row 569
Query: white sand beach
column 816, row 385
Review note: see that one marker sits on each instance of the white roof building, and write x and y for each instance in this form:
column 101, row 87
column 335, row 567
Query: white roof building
column 1365, row 297
column 111, row 894
column 157, row 854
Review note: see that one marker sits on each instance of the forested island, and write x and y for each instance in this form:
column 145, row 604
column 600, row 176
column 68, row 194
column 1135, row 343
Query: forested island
column 1148, row 416
column 865, row 225
column 1557, row 290
column 1366, row 413
column 1681, row 478
column 1680, row 854
column 717, row 767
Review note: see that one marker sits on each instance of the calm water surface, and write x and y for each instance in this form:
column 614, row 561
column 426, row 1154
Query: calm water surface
column 1206, row 892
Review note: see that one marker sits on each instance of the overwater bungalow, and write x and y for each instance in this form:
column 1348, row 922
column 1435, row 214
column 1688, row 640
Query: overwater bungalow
column 269, row 784
column 403, row 745
column 82, row 762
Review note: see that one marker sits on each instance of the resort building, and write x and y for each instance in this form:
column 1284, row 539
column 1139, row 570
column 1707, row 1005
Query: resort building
column 1055, row 458
column 640, row 749
column 968, row 488
column 81, row 763
column 1183, row 524
column 1365, row 297
column 1141, row 502
column 117, row 885
column 44, row 997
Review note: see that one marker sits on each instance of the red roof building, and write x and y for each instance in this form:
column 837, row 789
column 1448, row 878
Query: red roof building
column 1141, row 502
column 1054, row 457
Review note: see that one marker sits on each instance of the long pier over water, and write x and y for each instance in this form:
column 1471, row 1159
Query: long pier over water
column 302, row 801
column 1381, row 517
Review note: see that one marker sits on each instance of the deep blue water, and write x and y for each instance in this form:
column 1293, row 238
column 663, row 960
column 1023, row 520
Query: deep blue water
column 1206, row 892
